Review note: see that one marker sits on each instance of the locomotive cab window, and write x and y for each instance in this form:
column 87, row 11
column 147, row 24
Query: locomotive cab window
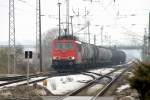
column 63, row 46
column 68, row 45
column 59, row 46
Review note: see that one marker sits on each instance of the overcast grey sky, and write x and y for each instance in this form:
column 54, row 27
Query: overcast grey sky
column 122, row 20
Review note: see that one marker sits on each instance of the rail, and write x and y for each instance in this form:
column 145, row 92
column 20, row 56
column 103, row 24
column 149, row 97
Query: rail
column 73, row 93
column 17, row 79
column 105, row 87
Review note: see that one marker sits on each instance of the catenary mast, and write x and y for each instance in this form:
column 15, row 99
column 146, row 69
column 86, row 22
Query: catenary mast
column 11, row 41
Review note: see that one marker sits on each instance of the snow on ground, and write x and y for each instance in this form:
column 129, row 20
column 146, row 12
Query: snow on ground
column 1, row 82
column 117, row 73
column 102, row 71
column 63, row 84
column 121, row 88
column 19, row 83
column 37, row 78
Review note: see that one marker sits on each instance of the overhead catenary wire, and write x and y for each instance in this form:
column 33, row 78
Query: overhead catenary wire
column 134, row 34
column 19, row 9
column 25, row 2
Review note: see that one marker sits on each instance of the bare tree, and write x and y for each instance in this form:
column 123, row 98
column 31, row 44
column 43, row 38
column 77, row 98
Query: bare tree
column 20, row 62
column 48, row 37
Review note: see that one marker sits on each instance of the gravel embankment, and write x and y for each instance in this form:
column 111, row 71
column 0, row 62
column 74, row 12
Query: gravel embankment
column 122, row 90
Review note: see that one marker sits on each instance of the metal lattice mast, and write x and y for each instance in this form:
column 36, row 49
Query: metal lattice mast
column 11, row 41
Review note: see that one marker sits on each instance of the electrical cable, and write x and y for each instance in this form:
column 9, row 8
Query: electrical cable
column 25, row 2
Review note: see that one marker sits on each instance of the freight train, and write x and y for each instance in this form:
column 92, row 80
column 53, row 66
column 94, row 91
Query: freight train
column 69, row 53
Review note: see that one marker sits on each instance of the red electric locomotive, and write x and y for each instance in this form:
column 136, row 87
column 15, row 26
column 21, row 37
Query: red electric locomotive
column 67, row 52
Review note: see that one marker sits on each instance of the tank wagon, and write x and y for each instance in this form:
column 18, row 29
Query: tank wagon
column 68, row 52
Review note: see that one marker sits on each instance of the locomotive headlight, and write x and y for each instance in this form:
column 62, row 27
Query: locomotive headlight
column 54, row 58
column 71, row 58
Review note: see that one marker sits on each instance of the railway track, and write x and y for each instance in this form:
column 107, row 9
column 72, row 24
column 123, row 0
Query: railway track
column 22, row 79
column 108, row 85
column 19, row 80
column 97, row 79
column 109, row 78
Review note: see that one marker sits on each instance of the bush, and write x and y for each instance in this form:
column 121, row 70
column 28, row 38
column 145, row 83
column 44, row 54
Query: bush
column 3, row 60
column 21, row 64
column 141, row 79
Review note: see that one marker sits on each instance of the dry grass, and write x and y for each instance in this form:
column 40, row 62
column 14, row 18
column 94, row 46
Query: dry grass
column 22, row 93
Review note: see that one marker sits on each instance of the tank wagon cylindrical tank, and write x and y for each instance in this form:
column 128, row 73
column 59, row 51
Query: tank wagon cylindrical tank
column 118, row 56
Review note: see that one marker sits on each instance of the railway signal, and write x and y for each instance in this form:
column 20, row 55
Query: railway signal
column 28, row 55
